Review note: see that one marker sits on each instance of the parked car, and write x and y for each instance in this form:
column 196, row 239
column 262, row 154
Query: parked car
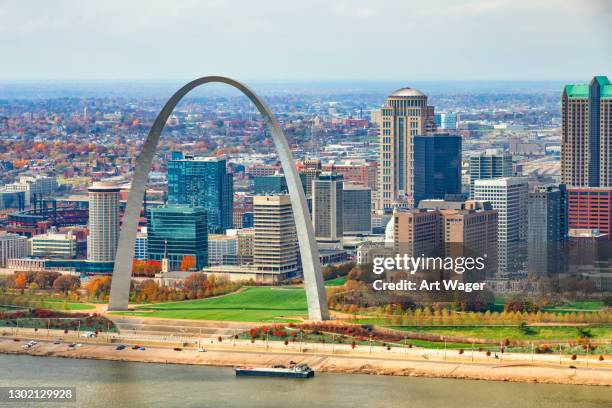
column 141, row 348
column 120, row 347
column 178, row 349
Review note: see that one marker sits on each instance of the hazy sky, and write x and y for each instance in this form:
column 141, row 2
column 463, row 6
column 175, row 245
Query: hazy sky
column 307, row 39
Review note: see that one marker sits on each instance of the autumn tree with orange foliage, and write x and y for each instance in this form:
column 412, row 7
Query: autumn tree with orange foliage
column 21, row 281
column 99, row 286
column 146, row 268
column 188, row 262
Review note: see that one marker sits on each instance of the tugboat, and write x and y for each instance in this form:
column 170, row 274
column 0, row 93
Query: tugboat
column 296, row 371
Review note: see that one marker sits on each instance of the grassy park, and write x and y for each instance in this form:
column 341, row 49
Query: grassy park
column 256, row 304
column 336, row 281
column 512, row 332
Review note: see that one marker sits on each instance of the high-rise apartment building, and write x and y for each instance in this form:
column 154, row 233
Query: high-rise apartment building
column 177, row 231
column 275, row 246
column 509, row 196
column 356, row 209
column 327, row 206
column 405, row 115
column 103, row 222
column 490, row 164
column 586, row 134
column 203, row 182
column 436, row 166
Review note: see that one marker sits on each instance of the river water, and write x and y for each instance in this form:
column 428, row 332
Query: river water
column 134, row 385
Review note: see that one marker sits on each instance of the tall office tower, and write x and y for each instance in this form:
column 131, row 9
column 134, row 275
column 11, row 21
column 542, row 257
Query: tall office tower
column 12, row 246
column 203, row 182
column 103, row 222
column 446, row 121
column 311, row 170
column 356, row 209
column 327, row 206
column 176, row 231
column 490, row 164
column 586, row 154
column 405, row 114
column 547, row 226
column 586, row 134
column 436, row 165
column 507, row 195
column 275, row 246
column 547, row 214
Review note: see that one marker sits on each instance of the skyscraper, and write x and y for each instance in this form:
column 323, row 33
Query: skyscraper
column 436, row 165
column 490, row 164
column 275, row 247
column 203, row 182
column 586, row 134
column 406, row 114
column 507, row 195
column 547, row 226
column 327, row 206
column 176, row 231
column 103, row 222
column 356, row 209
column 586, row 153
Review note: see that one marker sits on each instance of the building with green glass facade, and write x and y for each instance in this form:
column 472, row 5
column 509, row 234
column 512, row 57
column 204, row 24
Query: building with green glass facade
column 203, row 182
column 176, row 231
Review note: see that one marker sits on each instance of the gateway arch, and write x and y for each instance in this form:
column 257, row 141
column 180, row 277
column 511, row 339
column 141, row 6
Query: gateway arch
column 313, row 278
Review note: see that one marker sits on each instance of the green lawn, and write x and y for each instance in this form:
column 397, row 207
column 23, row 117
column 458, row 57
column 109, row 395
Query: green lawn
column 511, row 333
column 339, row 281
column 579, row 306
column 58, row 304
column 258, row 304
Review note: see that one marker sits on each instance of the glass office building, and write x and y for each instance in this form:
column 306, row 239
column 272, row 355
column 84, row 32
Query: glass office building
column 176, row 231
column 436, row 166
column 203, row 182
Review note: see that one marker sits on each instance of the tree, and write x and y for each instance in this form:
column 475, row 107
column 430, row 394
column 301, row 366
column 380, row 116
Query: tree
column 188, row 262
column 21, row 281
column 65, row 283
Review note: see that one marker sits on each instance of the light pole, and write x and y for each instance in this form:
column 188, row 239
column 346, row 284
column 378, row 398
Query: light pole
column 445, row 349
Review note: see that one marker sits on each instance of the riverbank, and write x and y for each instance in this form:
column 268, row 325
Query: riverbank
column 377, row 364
